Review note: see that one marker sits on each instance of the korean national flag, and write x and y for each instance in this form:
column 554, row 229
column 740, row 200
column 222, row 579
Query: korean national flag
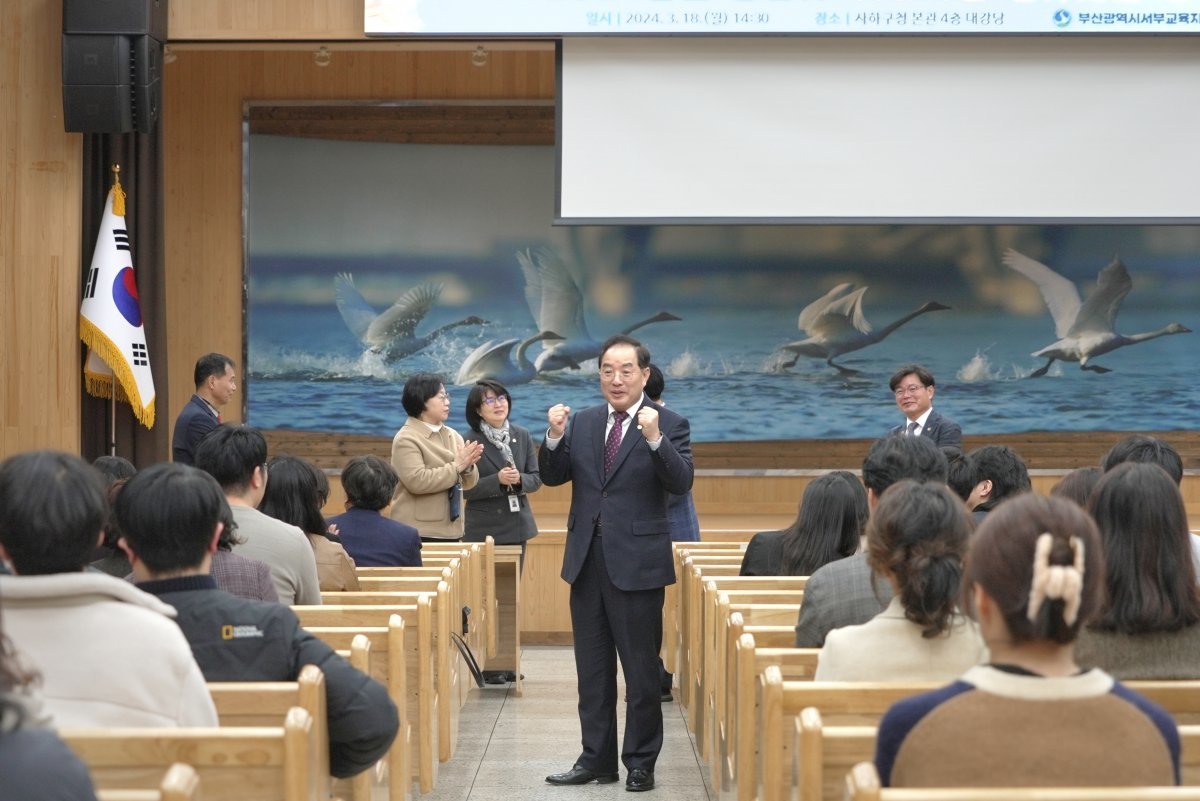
column 110, row 319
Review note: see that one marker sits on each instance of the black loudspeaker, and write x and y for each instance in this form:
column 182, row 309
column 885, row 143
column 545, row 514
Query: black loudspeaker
column 131, row 17
column 111, row 83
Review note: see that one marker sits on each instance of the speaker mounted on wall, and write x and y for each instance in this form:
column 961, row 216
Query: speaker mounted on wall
column 112, row 64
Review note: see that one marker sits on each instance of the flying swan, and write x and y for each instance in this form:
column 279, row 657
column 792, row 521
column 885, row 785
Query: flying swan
column 1084, row 329
column 394, row 332
column 492, row 360
column 835, row 326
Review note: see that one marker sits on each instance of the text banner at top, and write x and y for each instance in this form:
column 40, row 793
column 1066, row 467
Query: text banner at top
column 556, row 18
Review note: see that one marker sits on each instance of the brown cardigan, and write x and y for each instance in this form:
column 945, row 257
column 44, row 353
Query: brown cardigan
column 424, row 460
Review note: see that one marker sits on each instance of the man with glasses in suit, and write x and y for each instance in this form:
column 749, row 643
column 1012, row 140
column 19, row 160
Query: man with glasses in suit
column 913, row 386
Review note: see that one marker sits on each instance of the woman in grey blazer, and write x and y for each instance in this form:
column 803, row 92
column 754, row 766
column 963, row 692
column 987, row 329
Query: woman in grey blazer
column 497, row 506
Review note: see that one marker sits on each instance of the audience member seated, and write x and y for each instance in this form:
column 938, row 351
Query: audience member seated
column 1147, row 626
column 34, row 763
column 235, row 639
column 108, row 654
column 235, row 574
column 1144, row 449
column 294, row 495
column 1034, row 577
column 107, row 557
column 828, row 526
column 1077, row 485
column 846, row 592
column 960, row 477
column 916, row 541
column 371, row 537
column 236, row 456
column 999, row 473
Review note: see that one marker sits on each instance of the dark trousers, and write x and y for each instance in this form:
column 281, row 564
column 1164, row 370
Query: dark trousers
column 609, row 623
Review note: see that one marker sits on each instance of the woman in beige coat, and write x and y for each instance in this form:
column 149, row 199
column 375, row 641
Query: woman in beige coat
column 433, row 462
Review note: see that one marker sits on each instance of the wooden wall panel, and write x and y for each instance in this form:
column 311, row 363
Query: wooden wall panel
column 203, row 98
column 230, row 20
column 40, row 202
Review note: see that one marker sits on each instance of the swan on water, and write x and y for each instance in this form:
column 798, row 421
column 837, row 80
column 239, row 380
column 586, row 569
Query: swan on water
column 1084, row 328
column 394, row 332
column 556, row 304
column 492, row 360
column 835, row 325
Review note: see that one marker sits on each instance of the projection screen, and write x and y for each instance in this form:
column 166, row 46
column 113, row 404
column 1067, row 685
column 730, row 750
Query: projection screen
column 920, row 129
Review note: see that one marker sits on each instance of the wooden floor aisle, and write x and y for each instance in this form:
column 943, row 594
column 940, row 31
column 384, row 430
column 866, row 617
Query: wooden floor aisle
column 508, row 745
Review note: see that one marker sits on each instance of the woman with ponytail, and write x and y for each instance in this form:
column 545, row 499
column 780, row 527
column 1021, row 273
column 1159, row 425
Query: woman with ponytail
column 1034, row 577
column 916, row 539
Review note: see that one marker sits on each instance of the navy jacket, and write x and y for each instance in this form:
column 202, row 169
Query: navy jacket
column 941, row 429
column 373, row 540
column 191, row 426
column 630, row 504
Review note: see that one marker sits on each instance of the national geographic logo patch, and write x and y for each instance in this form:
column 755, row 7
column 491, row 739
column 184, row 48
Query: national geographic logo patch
column 229, row 632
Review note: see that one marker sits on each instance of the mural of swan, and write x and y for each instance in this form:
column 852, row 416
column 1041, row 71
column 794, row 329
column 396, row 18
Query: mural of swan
column 556, row 304
column 492, row 360
column 1084, row 328
column 394, row 332
column 835, row 325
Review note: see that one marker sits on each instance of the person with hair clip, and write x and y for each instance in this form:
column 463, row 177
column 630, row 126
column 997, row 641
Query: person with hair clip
column 1034, row 576
column 34, row 762
column 828, row 526
column 1147, row 626
column 916, row 540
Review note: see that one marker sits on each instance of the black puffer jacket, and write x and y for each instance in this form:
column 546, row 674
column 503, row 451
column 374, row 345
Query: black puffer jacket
column 234, row 639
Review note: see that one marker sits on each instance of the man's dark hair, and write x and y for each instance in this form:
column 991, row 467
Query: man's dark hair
column 168, row 514
column 894, row 458
column 1141, row 448
column 211, row 364
column 1002, row 466
column 475, row 400
column 643, row 353
column 369, row 482
column 655, row 384
column 114, row 468
column 52, row 510
column 960, row 475
column 418, row 389
column 229, row 453
column 919, row 370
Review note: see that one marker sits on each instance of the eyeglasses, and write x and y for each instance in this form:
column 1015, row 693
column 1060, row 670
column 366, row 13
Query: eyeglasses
column 492, row 401
column 626, row 373
column 443, row 396
column 911, row 389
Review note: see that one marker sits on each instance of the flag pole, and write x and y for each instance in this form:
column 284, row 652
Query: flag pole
column 112, row 425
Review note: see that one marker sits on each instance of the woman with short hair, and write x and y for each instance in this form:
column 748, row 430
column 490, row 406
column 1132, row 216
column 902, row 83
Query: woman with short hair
column 433, row 462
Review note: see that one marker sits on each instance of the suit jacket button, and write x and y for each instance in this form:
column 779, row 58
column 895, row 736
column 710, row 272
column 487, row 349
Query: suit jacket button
column 603, row 494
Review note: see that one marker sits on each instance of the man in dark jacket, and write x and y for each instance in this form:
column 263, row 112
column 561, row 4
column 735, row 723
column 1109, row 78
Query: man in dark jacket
column 169, row 516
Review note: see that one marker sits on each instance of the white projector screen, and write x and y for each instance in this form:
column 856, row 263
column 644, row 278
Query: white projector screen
column 922, row 129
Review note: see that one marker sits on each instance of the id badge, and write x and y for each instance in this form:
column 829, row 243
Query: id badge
column 514, row 503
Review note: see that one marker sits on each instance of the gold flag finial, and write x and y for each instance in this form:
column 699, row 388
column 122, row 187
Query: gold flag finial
column 118, row 192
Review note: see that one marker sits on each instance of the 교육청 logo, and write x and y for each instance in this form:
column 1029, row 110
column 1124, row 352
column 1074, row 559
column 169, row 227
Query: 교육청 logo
column 1062, row 18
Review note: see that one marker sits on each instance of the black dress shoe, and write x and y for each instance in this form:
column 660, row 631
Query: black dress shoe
column 639, row 780
column 666, row 697
column 494, row 677
column 581, row 775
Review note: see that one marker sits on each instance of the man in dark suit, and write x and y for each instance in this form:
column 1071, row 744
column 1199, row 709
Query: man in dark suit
column 623, row 459
column 215, row 385
column 913, row 386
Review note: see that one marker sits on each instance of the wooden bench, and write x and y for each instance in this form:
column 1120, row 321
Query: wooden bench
column 401, row 657
column 671, row 602
column 862, row 784
column 266, row 763
column 863, row 704
column 179, row 783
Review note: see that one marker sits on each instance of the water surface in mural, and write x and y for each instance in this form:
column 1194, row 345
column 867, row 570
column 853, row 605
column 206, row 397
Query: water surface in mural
column 369, row 262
